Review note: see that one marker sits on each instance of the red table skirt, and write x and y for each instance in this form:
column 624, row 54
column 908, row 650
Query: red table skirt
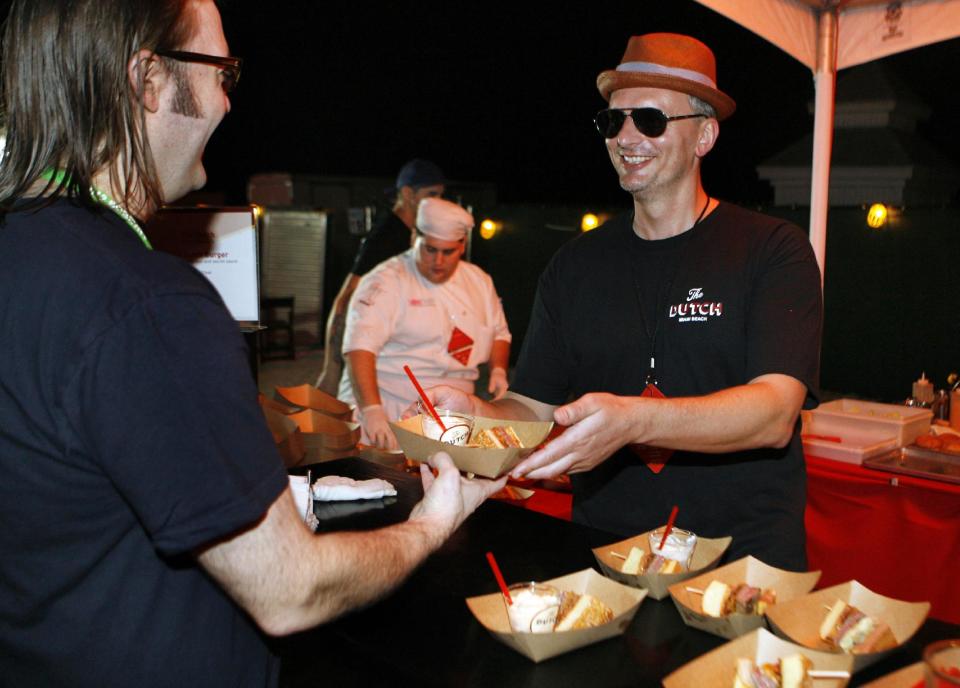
column 859, row 524
column 862, row 522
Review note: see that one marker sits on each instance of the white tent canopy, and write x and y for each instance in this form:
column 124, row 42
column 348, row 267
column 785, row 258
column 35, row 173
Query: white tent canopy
column 829, row 35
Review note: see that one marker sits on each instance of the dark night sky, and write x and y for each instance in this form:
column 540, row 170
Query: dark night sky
column 500, row 93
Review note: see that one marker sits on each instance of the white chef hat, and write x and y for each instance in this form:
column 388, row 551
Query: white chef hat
column 443, row 220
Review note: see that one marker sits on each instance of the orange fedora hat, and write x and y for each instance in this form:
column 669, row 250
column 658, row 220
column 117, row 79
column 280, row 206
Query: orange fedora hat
column 671, row 61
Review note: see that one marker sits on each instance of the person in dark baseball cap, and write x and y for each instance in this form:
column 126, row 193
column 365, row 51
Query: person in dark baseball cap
column 417, row 179
column 419, row 173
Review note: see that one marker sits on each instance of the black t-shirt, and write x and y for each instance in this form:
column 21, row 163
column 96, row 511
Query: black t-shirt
column 130, row 435
column 388, row 238
column 743, row 300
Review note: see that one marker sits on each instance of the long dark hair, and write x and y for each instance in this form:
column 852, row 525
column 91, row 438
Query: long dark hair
column 68, row 103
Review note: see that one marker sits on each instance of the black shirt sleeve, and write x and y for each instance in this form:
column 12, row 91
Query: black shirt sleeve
column 785, row 317
column 385, row 240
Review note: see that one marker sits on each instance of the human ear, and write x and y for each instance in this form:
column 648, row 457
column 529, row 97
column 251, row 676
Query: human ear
column 146, row 78
column 709, row 133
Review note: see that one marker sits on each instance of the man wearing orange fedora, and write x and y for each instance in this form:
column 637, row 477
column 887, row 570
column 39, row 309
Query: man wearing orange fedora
column 687, row 331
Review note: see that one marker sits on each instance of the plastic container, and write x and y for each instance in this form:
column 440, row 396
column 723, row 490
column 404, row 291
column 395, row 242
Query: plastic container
column 868, row 419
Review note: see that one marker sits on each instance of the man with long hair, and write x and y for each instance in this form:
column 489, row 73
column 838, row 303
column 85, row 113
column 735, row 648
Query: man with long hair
column 149, row 533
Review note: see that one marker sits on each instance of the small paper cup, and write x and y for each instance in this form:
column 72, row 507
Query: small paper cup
column 533, row 607
column 456, row 430
column 679, row 545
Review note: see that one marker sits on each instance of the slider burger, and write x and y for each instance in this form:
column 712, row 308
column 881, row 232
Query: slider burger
column 719, row 599
column 498, row 437
column 639, row 562
column 848, row 629
column 787, row 672
column 581, row 611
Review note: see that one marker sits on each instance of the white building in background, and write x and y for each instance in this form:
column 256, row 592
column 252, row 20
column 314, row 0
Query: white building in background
column 878, row 155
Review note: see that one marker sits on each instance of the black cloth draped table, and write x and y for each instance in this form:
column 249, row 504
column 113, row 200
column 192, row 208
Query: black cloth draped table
column 424, row 634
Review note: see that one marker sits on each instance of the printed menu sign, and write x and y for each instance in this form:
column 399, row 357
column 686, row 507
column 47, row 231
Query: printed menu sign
column 222, row 244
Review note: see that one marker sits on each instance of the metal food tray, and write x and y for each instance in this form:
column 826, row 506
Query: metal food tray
column 916, row 461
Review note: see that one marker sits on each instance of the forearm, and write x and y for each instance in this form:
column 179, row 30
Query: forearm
column 500, row 354
column 336, row 322
column 288, row 579
column 355, row 569
column 762, row 413
column 362, row 369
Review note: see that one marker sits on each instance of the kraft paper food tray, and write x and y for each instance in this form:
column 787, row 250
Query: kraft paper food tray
column 490, row 463
column 799, row 620
column 787, row 584
column 308, row 396
column 706, row 555
column 286, row 435
column 325, row 432
column 716, row 669
column 908, row 677
column 491, row 612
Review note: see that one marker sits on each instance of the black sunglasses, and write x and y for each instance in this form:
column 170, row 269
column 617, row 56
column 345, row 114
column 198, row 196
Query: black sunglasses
column 229, row 66
column 648, row 121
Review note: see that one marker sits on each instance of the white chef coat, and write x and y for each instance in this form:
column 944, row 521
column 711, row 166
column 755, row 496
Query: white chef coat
column 405, row 319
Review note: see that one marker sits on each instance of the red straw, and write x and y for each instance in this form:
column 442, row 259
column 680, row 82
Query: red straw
column 499, row 577
column 423, row 395
column 666, row 531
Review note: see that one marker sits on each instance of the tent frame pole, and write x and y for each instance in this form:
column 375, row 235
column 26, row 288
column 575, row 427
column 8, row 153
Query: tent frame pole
column 825, row 79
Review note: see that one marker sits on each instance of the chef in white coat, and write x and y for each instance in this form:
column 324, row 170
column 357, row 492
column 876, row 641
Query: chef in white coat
column 428, row 309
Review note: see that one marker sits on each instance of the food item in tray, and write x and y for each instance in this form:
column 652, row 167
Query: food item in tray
column 534, row 607
column 497, row 437
column 792, row 671
column 947, row 442
column 848, row 629
column 456, row 427
column 720, row 599
column 929, row 441
column 581, row 611
column 951, row 443
column 639, row 562
column 679, row 545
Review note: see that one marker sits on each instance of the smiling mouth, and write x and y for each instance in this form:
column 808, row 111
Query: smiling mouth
column 635, row 159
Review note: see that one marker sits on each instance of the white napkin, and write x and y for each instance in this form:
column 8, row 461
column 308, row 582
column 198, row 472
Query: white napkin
column 335, row 488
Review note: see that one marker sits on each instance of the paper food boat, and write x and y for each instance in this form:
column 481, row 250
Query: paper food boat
column 321, row 431
column 909, row 676
column 309, row 397
column 799, row 619
column 717, row 668
column 623, row 600
column 787, row 584
column 286, row 435
column 490, row 463
column 706, row 556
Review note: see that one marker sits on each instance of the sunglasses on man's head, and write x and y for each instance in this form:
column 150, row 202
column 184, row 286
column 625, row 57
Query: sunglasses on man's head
column 229, row 66
column 648, row 121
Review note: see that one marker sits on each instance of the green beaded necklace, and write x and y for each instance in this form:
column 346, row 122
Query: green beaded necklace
column 102, row 197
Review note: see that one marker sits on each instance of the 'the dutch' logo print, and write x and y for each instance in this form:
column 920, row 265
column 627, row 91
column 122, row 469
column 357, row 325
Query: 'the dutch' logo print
column 695, row 308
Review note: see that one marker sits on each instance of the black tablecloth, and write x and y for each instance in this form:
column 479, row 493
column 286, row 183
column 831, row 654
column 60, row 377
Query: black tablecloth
column 425, row 635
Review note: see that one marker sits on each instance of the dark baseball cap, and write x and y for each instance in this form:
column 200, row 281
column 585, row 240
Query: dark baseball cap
column 419, row 173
